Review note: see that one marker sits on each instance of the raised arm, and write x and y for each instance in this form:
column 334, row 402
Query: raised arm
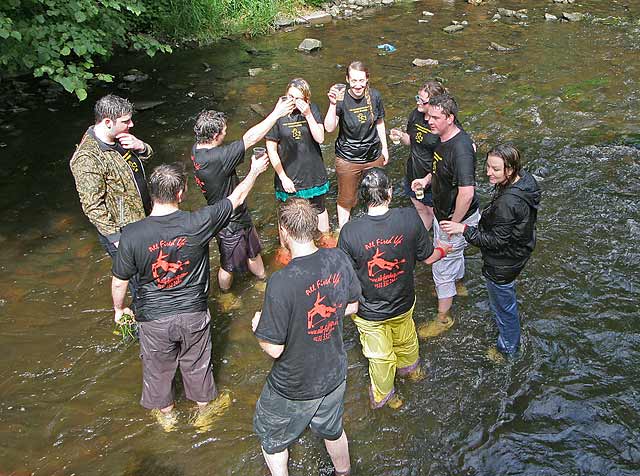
column 257, row 132
column 239, row 194
column 331, row 118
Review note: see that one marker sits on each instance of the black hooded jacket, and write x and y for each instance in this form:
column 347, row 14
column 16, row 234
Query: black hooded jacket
column 506, row 234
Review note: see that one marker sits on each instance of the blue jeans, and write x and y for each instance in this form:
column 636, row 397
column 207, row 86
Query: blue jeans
column 134, row 282
column 503, row 302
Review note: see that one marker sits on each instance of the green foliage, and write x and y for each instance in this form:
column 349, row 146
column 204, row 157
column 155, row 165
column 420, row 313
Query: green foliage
column 64, row 39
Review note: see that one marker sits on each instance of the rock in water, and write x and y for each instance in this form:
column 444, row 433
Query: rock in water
column 259, row 110
column 475, row 2
column 319, row 16
column 572, row 16
column 424, row 62
column 309, row 44
column 497, row 47
column 505, row 12
column 550, row 17
column 146, row 105
column 255, row 71
column 453, row 28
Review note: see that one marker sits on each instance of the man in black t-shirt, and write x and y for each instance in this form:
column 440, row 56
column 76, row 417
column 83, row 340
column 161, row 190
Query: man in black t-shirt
column 454, row 199
column 169, row 251
column 109, row 174
column 215, row 173
column 384, row 246
column 300, row 326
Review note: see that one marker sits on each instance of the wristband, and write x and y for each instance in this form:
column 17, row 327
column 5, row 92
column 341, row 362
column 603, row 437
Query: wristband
column 465, row 228
column 442, row 251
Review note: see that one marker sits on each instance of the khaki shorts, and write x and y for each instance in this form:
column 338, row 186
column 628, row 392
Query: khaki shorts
column 349, row 176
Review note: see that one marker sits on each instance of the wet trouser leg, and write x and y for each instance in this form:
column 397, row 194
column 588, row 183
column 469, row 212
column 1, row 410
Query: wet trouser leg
column 504, row 304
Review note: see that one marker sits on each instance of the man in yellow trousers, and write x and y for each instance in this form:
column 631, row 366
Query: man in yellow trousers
column 384, row 246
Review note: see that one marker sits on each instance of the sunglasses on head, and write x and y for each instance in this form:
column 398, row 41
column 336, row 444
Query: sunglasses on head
column 421, row 101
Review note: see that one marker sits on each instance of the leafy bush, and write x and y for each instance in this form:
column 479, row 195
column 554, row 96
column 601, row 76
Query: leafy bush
column 63, row 39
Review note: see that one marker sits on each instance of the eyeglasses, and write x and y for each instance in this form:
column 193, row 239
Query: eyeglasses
column 421, row 101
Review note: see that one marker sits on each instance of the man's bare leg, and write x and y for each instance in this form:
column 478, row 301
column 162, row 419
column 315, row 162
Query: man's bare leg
column 343, row 215
column 323, row 222
column 444, row 305
column 256, row 266
column 225, row 279
column 277, row 462
column 339, row 452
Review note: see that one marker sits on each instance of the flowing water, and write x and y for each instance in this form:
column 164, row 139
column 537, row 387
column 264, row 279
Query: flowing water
column 568, row 96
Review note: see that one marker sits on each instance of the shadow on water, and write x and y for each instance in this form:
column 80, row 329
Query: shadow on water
column 567, row 96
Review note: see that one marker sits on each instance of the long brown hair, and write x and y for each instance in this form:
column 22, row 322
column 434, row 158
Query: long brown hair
column 510, row 158
column 302, row 86
column 360, row 66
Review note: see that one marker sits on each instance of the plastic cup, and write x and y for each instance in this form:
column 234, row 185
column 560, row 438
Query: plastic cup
column 259, row 151
column 396, row 136
column 341, row 88
column 420, row 193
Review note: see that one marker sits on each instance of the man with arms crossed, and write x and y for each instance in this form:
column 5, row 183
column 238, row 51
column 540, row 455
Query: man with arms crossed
column 215, row 169
column 300, row 326
column 384, row 246
column 109, row 174
column 454, row 199
column 169, row 250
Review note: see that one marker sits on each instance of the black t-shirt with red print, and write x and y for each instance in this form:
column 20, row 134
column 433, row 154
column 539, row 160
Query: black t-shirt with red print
column 358, row 139
column 423, row 143
column 299, row 152
column 215, row 174
column 171, row 255
column 384, row 250
column 303, row 310
column 454, row 165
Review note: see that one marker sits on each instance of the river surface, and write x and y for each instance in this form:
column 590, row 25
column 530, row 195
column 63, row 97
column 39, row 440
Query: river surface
column 568, row 96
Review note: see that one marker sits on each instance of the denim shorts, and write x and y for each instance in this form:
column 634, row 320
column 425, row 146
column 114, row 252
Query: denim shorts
column 278, row 421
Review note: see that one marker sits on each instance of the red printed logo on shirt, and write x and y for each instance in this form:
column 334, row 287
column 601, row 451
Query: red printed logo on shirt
column 390, row 269
column 320, row 323
column 167, row 271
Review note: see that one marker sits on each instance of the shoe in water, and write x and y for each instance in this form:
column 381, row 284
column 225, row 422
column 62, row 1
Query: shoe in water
column 205, row 417
column 328, row 240
column 497, row 357
column 282, row 257
column 167, row 421
column 418, row 374
column 228, row 302
column 461, row 289
column 436, row 327
column 394, row 402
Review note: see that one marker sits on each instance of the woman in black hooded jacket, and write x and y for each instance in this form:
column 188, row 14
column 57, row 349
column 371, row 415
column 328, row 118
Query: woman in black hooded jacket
column 506, row 236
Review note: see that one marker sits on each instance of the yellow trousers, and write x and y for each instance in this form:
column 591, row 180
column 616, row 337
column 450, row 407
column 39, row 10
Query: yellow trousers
column 389, row 345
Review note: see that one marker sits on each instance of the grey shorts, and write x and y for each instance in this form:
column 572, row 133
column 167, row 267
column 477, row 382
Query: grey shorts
column 278, row 421
column 237, row 247
column 450, row 269
column 182, row 340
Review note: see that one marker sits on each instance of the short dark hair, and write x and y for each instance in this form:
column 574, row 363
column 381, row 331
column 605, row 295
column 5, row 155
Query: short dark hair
column 374, row 188
column 208, row 124
column 111, row 107
column 299, row 219
column 510, row 158
column 446, row 102
column 166, row 181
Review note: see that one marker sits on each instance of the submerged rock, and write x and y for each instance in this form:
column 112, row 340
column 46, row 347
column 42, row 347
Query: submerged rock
column 255, row 71
column 146, row 105
column 453, row 28
column 309, row 44
column 424, row 62
column 573, row 16
column 497, row 47
column 550, row 17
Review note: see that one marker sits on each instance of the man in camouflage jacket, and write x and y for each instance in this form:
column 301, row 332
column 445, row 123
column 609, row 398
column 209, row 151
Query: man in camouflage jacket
column 109, row 173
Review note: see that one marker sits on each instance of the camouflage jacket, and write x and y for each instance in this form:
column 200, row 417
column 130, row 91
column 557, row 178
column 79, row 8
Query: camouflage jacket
column 108, row 192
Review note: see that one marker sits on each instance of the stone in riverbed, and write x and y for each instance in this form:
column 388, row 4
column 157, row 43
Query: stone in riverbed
column 146, row 105
column 550, row 17
column 348, row 13
column 310, row 44
column 475, row 2
column 453, row 28
column 388, row 2
column 318, row 16
column 573, row 16
column 281, row 22
column 505, row 12
column 427, row 14
column 497, row 47
column 255, row 71
column 424, row 62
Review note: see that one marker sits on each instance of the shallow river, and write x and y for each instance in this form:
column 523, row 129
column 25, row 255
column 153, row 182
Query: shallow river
column 568, row 96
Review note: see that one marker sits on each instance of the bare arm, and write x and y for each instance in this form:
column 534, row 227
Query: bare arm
column 351, row 308
column 463, row 202
column 257, row 132
column 239, row 194
column 118, row 294
column 331, row 119
column 382, row 133
column 274, row 157
column 273, row 350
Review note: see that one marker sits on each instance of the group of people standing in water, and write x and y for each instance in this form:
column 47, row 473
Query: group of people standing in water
column 367, row 273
